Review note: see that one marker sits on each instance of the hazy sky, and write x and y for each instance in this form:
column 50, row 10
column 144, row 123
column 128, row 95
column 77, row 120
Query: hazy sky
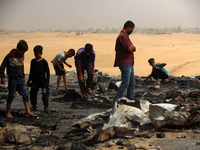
column 84, row 14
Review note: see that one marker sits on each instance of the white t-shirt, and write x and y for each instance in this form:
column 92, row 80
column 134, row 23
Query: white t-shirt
column 60, row 57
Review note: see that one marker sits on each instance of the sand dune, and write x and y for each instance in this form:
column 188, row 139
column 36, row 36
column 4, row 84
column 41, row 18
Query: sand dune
column 180, row 51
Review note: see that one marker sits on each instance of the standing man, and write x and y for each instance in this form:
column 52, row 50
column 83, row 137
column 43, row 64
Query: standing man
column 85, row 60
column 124, row 59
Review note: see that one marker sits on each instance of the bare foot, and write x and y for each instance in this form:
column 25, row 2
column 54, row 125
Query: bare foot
column 8, row 115
column 157, row 83
column 30, row 115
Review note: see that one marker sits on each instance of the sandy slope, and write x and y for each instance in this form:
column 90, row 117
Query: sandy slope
column 181, row 51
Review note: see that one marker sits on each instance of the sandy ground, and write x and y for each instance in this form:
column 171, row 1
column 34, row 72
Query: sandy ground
column 179, row 51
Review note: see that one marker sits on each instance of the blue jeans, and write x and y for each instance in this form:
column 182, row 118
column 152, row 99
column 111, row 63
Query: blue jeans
column 19, row 86
column 128, row 82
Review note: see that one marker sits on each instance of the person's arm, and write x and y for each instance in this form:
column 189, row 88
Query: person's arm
column 132, row 48
column 2, row 69
column 67, row 64
column 58, row 64
column 30, row 74
column 149, row 76
column 80, row 76
column 127, row 44
column 47, row 73
column 24, row 76
column 93, row 63
column 162, row 65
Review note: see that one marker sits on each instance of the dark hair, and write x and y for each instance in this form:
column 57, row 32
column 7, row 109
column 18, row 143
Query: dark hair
column 129, row 24
column 72, row 51
column 38, row 49
column 22, row 45
column 88, row 48
column 151, row 60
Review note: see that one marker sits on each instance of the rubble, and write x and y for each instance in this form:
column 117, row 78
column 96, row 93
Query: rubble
column 130, row 117
column 18, row 134
column 99, row 122
column 160, row 135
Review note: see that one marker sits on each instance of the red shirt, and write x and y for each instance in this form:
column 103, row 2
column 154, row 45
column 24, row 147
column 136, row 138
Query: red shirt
column 123, row 56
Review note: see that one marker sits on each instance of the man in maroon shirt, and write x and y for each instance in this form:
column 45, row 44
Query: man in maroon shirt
column 124, row 59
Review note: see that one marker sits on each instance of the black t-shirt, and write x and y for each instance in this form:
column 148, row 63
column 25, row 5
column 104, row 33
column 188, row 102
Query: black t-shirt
column 39, row 71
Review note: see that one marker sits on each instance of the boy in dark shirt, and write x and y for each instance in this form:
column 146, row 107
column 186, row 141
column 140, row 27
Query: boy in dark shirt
column 85, row 60
column 14, row 62
column 39, row 75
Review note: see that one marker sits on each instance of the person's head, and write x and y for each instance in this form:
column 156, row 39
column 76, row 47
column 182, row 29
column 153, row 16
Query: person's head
column 38, row 51
column 88, row 49
column 22, row 47
column 129, row 27
column 71, row 52
column 151, row 61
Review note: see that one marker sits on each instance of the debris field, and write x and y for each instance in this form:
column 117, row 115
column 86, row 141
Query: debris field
column 161, row 117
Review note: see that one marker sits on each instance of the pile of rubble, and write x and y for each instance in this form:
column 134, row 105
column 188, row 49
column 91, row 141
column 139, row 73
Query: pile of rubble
column 170, row 107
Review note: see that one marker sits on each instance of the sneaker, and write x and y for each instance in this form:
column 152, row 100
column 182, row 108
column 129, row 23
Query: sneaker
column 33, row 108
column 46, row 110
column 84, row 97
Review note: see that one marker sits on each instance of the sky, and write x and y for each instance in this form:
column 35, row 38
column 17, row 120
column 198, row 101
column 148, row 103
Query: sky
column 84, row 14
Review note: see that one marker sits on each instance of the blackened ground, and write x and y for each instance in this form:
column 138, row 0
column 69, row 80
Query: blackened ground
column 67, row 109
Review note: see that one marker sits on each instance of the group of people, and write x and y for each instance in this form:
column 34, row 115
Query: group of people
column 39, row 75
column 84, row 61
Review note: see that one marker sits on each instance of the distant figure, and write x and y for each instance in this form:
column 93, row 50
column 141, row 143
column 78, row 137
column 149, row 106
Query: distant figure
column 14, row 62
column 85, row 60
column 124, row 59
column 158, row 71
column 39, row 75
column 58, row 61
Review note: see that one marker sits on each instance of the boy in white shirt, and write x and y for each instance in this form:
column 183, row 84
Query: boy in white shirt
column 58, row 61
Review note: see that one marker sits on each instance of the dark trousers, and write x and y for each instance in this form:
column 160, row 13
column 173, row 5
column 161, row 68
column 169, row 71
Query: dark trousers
column 159, row 74
column 45, row 94
column 89, row 80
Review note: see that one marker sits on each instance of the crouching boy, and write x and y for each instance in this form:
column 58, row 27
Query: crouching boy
column 158, row 71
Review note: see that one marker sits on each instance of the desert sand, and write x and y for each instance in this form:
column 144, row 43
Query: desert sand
column 180, row 51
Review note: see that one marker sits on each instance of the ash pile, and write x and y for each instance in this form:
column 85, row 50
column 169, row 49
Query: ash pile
column 76, row 123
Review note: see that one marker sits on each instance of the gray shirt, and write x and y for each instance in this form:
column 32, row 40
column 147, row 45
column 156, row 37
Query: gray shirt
column 60, row 57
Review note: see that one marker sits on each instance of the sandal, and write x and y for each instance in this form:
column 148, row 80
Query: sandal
column 167, row 81
column 89, row 91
